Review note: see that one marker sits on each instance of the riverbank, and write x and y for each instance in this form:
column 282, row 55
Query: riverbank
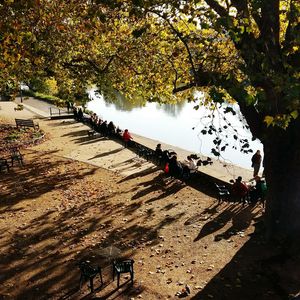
column 218, row 169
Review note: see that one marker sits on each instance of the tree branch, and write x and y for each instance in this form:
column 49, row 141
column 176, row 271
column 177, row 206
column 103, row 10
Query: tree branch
column 128, row 65
column 270, row 22
column 183, row 87
column 180, row 36
column 237, row 91
column 242, row 7
column 293, row 28
column 105, row 68
column 91, row 63
column 219, row 9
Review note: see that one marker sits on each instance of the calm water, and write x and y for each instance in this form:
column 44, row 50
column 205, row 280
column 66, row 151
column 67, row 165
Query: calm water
column 179, row 125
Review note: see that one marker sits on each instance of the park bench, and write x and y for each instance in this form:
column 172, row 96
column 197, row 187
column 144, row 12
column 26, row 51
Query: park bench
column 223, row 192
column 26, row 123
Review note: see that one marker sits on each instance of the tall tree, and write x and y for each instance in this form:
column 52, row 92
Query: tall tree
column 246, row 51
column 260, row 71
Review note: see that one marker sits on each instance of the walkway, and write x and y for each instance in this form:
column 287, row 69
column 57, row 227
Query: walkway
column 38, row 107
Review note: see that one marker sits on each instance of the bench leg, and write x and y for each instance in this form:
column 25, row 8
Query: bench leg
column 131, row 277
column 81, row 281
column 101, row 279
column 118, row 278
column 92, row 284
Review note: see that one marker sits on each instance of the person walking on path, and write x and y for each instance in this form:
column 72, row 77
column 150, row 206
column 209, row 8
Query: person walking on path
column 256, row 162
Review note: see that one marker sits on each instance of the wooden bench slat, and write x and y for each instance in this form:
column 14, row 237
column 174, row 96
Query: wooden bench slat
column 26, row 123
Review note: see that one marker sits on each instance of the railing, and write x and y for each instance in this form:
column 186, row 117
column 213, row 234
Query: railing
column 53, row 112
column 59, row 111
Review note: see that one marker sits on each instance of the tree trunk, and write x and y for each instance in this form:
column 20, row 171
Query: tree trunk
column 282, row 171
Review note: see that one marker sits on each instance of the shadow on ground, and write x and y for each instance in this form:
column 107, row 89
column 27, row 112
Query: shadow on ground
column 38, row 257
column 257, row 271
column 42, row 254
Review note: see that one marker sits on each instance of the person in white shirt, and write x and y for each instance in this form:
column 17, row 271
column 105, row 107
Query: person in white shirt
column 189, row 166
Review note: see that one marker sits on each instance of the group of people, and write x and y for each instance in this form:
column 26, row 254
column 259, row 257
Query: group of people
column 105, row 128
column 172, row 166
column 243, row 192
column 253, row 191
column 78, row 112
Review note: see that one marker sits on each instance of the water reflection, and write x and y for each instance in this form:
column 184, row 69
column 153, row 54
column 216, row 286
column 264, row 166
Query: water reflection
column 123, row 104
column 172, row 110
column 119, row 101
column 179, row 125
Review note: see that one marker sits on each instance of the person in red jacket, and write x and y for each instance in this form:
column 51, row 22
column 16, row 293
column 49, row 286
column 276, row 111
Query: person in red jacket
column 240, row 190
column 127, row 137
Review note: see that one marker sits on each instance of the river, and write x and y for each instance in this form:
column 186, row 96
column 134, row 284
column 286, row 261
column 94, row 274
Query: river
column 179, row 125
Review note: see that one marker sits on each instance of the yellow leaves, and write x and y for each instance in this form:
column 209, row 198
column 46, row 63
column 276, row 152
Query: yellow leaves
column 268, row 120
column 125, row 13
column 235, row 22
column 281, row 120
column 51, row 85
column 37, row 60
column 295, row 48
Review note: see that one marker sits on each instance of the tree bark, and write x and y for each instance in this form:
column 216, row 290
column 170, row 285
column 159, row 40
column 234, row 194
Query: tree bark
column 282, row 171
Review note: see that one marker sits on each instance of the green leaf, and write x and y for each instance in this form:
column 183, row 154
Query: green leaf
column 294, row 114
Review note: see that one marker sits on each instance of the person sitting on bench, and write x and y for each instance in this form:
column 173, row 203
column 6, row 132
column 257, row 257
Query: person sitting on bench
column 158, row 154
column 175, row 167
column 111, row 129
column 239, row 190
column 127, row 138
column 258, row 192
column 189, row 167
